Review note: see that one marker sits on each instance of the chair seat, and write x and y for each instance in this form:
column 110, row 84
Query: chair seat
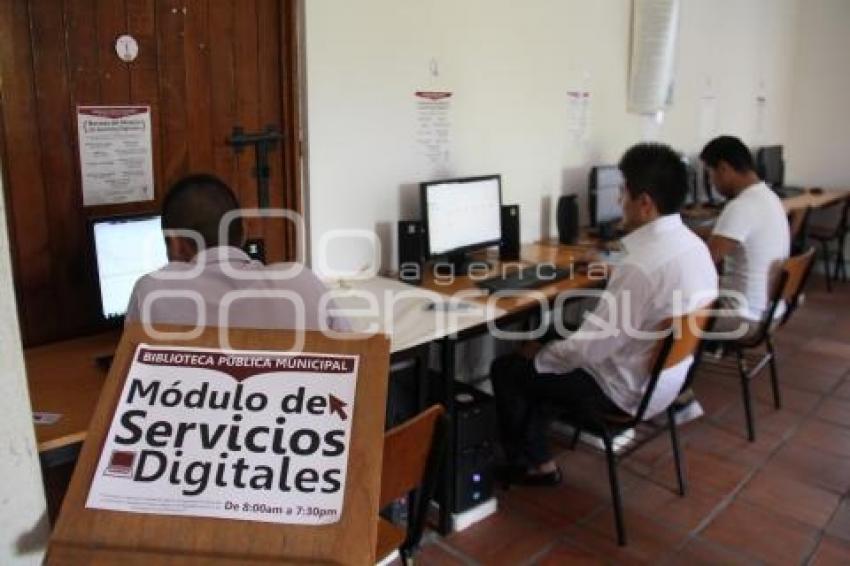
column 390, row 539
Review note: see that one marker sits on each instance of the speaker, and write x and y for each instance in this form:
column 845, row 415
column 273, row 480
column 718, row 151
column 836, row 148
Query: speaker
column 411, row 251
column 509, row 245
column 567, row 219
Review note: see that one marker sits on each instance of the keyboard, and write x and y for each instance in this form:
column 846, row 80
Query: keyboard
column 529, row 277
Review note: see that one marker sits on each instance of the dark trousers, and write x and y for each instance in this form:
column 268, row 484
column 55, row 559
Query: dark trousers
column 527, row 402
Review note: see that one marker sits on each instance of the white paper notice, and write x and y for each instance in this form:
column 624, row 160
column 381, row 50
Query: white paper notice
column 707, row 117
column 246, row 435
column 433, row 117
column 578, row 114
column 116, row 156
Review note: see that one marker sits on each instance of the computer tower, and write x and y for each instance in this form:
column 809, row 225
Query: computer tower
column 474, row 443
column 509, row 245
column 411, row 251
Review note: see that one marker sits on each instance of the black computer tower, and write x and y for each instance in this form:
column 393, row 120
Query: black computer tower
column 475, row 434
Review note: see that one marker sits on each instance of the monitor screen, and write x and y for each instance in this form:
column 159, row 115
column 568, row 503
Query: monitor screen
column 605, row 184
column 462, row 214
column 126, row 249
column 770, row 165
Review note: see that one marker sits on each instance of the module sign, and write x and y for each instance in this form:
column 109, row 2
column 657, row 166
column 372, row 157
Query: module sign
column 248, row 435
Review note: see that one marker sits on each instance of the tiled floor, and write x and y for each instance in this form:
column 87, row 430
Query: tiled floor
column 784, row 499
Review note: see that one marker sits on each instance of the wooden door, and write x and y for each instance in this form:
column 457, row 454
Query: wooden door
column 204, row 66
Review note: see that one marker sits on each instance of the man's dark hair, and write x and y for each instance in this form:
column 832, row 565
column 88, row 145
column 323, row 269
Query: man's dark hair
column 658, row 171
column 729, row 149
column 198, row 202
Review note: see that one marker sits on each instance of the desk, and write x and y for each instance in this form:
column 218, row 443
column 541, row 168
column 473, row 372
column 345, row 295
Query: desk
column 64, row 379
column 812, row 200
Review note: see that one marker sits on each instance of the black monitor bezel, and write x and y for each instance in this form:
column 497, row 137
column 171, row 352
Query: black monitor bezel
column 109, row 320
column 423, row 201
column 761, row 168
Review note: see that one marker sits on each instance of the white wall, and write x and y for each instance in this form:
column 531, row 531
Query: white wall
column 510, row 65
column 819, row 151
column 23, row 522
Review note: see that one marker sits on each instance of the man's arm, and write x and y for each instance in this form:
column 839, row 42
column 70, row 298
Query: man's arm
column 720, row 247
column 622, row 307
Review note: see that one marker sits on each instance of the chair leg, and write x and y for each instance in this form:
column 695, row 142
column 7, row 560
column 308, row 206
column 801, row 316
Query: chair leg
column 615, row 488
column 825, row 254
column 745, row 390
column 677, row 452
column 839, row 260
column 774, row 374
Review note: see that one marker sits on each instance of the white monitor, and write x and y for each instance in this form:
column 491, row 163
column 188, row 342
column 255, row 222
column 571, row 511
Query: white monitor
column 462, row 214
column 126, row 249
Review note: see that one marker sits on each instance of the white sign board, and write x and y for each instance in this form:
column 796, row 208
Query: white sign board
column 116, row 156
column 246, row 435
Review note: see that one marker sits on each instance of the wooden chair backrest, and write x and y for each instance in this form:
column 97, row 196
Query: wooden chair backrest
column 406, row 450
column 682, row 341
column 795, row 268
column 686, row 333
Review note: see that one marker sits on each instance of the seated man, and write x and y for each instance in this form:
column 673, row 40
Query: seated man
column 666, row 272
column 210, row 281
column 751, row 237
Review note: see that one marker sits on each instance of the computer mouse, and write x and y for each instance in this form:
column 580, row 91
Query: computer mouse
column 816, row 191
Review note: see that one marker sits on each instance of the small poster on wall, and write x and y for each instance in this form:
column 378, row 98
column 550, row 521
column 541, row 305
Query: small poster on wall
column 433, row 116
column 116, row 155
column 245, row 435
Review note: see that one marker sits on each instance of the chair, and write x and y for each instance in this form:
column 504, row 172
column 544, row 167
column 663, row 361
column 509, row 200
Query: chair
column 831, row 224
column 788, row 289
column 798, row 224
column 678, row 345
column 413, row 453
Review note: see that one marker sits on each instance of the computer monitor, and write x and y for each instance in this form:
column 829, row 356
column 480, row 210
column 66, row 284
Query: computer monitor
column 126, row 248
column 460, row 216
column 770, row 165
column 604, row 186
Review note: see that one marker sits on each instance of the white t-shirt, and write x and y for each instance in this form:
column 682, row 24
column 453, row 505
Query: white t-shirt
column 756, row 220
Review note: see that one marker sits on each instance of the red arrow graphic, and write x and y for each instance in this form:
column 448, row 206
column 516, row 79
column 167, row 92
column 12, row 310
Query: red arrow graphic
column 337, row 406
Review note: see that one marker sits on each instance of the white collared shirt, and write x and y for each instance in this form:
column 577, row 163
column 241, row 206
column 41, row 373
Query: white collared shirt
column 222, row 286
column 667, row 272
column 756, row 220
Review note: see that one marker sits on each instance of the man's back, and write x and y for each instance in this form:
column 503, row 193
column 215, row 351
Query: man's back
column 224, row 287
column 756, row 220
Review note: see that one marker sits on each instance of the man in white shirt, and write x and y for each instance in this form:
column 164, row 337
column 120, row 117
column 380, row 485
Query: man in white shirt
column 666, row 272
column 210, row 281
column 751, row 237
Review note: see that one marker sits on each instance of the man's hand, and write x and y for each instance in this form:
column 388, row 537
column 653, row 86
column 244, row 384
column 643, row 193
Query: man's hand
column 529, row 349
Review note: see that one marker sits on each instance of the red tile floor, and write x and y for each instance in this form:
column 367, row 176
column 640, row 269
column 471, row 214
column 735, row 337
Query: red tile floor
column 784, row 499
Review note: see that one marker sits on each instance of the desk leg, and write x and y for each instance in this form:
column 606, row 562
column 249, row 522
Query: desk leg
column 422, row 358
column 447, row 501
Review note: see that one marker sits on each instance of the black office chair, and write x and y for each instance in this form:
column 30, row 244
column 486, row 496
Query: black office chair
column 830, row 224
column 682, row 342
column 788, row 288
